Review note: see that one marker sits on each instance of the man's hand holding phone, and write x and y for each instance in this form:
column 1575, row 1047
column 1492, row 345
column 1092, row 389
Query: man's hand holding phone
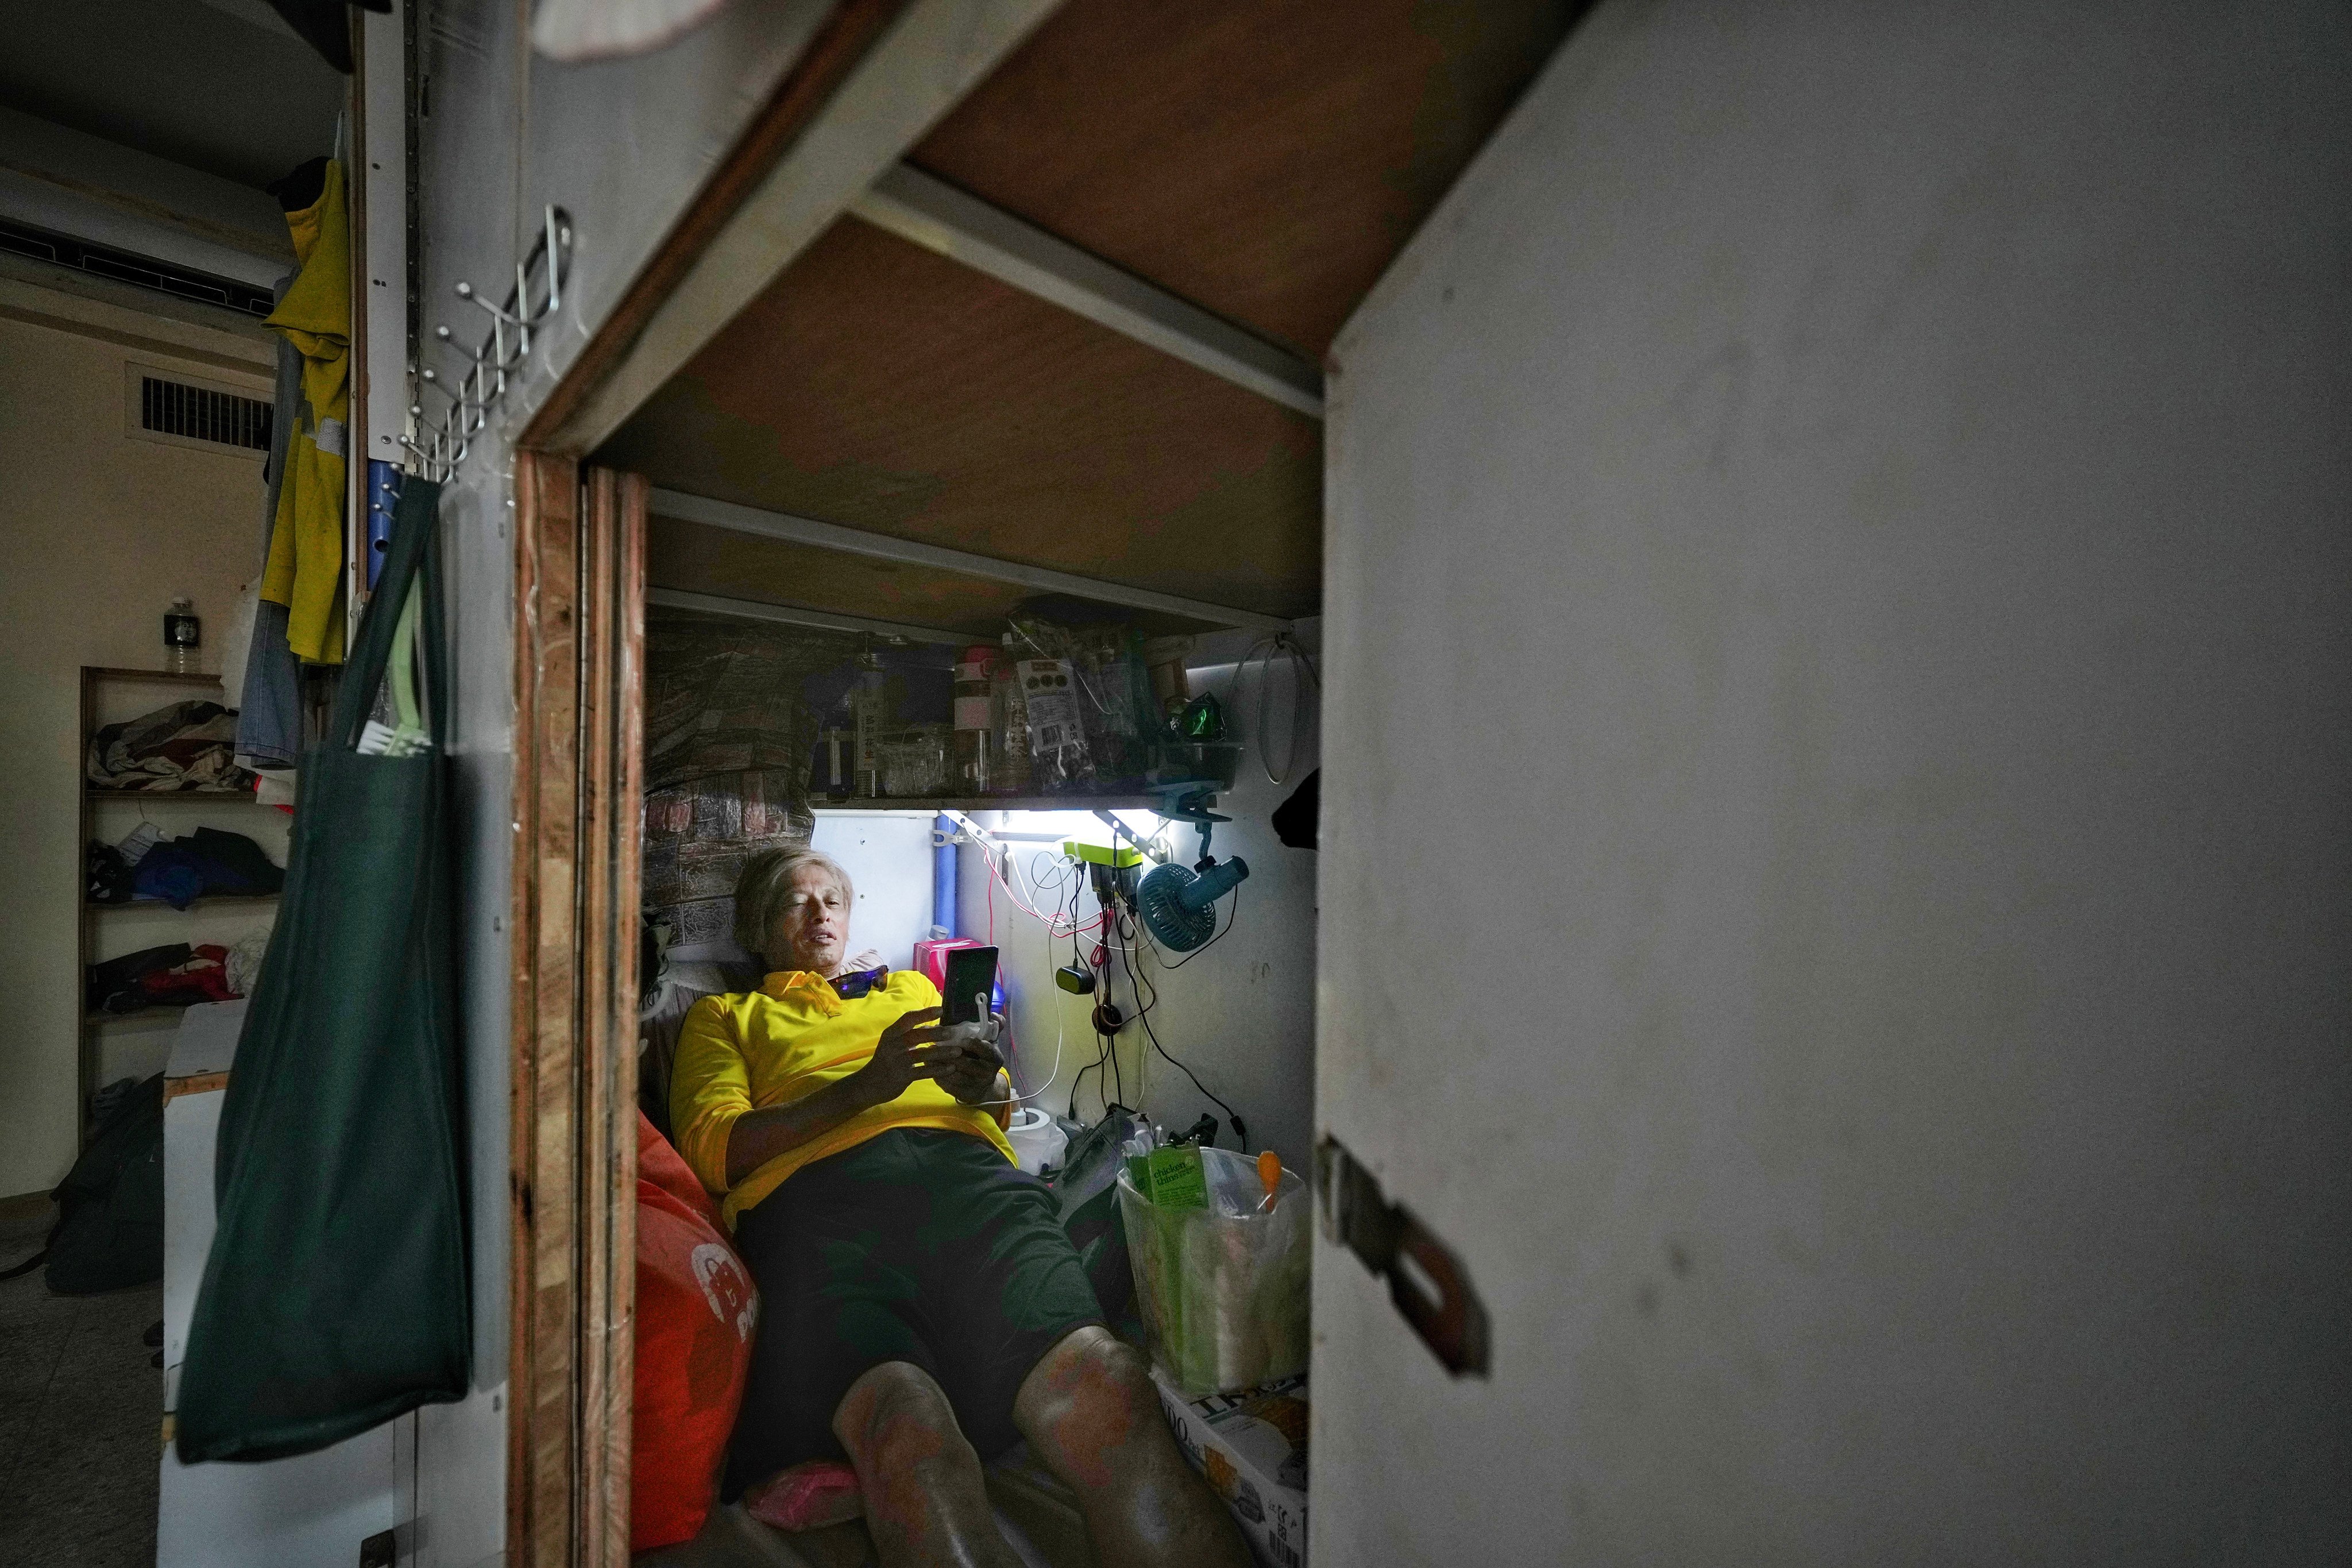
column 970, row 1075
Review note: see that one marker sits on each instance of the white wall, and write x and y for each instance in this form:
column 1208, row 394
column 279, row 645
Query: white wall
column 1838, row 862
column 887, row 855
column 98, row 531
column 1241, row 1014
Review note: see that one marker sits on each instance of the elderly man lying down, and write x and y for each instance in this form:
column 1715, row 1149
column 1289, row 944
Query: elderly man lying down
column 921, row 1308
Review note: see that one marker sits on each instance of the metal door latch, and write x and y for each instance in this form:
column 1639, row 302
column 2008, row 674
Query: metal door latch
column 1426, row 1280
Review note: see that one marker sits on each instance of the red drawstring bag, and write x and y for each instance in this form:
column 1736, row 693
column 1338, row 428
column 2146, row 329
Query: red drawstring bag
column 696, row 1309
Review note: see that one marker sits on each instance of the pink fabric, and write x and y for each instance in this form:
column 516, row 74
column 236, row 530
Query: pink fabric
column 804, row 1497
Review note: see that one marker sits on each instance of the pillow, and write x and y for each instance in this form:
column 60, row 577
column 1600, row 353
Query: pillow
column 661, row 1014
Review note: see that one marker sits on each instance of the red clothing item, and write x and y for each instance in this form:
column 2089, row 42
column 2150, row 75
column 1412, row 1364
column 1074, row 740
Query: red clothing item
column 203, row 978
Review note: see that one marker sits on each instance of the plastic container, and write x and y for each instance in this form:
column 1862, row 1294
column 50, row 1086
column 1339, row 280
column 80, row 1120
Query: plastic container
column 183, row 634
column 975, row 738
column 1011, row 771
column 1213, row 762
column 1037, row 1142
column 914, row 761
column 1223, row 1290
column 868, row 707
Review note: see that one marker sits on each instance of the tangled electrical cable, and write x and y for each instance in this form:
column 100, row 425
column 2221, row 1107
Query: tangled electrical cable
column 1064, row 878
column 1127, row 929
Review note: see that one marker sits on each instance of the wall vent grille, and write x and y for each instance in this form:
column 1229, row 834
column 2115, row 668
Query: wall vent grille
column 201, row 414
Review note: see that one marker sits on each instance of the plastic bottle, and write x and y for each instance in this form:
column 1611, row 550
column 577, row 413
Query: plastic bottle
column 866, row 705
column 975, row 737
column 183, row 634
column 1012, row 773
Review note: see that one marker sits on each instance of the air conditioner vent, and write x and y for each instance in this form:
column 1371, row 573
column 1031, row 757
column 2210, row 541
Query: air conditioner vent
column 203, row 414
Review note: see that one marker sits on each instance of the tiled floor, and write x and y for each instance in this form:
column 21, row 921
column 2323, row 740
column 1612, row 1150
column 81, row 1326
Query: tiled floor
column 80, row 1418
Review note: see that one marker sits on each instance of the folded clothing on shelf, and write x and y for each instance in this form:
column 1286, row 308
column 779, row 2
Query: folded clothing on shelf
column 173, row 975
column 207, row 863
column 184, row 746
column 106, row 874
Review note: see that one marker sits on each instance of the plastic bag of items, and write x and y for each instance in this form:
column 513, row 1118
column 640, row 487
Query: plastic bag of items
column 1089, row 700
column 1221, row 1279
column 185, row 746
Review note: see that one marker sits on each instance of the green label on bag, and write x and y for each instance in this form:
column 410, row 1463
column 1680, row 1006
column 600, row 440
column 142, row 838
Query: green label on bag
column 1177, row 1181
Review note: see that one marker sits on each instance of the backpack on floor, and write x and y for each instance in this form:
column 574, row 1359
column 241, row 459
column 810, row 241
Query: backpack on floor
column 110, row 1229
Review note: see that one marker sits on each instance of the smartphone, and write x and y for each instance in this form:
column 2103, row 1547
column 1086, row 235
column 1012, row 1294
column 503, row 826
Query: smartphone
column 972, row 980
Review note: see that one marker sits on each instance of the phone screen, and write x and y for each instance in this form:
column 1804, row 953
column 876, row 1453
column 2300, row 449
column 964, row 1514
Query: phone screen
column 972, row 980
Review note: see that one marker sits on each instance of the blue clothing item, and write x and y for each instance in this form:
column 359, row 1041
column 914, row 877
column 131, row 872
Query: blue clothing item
column 269, row 723
column 207, row 863
column 168, row 874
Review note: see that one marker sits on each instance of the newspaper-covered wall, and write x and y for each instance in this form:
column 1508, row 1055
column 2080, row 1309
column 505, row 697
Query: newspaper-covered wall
column 729, row 735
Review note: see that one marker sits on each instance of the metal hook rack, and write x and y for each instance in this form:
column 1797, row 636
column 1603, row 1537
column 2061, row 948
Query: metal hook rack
column 441, row 444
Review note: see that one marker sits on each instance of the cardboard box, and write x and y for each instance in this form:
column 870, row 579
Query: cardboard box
column 1252, row 1447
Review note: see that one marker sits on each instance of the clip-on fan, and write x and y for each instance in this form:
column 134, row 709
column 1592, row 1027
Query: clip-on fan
column 1175, row 903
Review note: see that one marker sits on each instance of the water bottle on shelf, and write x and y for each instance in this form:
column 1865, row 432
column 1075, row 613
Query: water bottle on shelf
column 1010, row 710
column 866, row 704
column 975, row 735
column 183, row 634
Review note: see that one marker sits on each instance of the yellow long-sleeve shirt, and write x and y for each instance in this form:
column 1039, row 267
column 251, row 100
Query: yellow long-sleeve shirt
column 787, row 1039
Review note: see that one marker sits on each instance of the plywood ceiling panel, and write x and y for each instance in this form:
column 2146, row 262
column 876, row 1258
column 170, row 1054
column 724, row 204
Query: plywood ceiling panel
column 878, row 385
column 1261, row 158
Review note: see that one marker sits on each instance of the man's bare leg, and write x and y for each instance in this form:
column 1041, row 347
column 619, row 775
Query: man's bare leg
column 925, row 1500
column 1090, row 1414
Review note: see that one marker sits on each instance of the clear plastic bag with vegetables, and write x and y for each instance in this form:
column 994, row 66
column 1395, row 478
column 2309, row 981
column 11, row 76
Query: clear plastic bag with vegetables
column 1221, row 1266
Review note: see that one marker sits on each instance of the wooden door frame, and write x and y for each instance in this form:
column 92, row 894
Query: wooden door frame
column 580, row 567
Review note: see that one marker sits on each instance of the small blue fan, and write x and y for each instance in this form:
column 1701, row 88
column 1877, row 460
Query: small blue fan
column 1177, row 904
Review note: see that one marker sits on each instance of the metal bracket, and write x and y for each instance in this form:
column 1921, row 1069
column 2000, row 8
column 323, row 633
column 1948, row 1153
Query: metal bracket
column 967, row 832
column 1395, row 1246
column 1143, row 847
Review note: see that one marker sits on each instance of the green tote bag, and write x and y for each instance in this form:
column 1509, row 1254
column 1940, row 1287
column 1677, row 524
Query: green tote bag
column 335, row 1295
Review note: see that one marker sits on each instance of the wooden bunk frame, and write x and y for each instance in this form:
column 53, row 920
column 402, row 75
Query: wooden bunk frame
column 882, row 81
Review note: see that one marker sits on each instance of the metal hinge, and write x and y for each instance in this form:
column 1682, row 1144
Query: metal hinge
column 1426, row 1280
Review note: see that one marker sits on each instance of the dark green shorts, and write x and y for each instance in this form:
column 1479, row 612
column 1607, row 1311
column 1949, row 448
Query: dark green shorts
column 918, row 1246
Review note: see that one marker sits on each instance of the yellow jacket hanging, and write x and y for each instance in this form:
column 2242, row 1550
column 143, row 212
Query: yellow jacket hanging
column 305, row 571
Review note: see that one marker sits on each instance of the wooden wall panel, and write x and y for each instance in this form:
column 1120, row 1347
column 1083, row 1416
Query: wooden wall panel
column 578, row 682
column 541, row 1450
column 884, row 388
column 1261, row 158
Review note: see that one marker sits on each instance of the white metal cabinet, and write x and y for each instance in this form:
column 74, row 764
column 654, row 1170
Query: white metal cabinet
column 1836, row 870
column 310, row 1511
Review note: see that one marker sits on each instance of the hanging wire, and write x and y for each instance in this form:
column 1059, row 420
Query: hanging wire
column 1128, row 927
column 1263, row 651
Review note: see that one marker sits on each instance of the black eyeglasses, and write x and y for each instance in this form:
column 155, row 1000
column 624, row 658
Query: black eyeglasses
column 857, row 982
